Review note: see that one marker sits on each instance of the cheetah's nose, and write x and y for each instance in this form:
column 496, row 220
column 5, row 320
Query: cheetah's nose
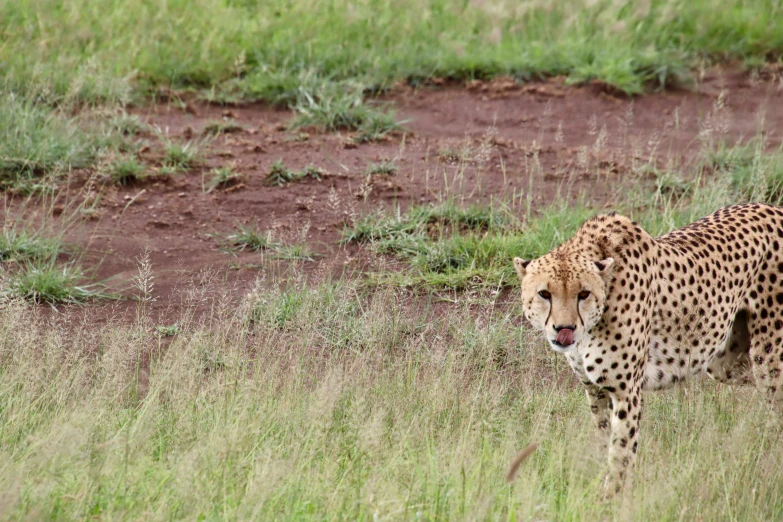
column 565, row 335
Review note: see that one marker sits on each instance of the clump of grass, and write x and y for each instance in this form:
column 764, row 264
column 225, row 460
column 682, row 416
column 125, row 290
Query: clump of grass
column 448, row 246
column 671, row 184
column 377, row 124
column 755, row 176
column 384, row 168
column 334, row 107
column 248, row 237
column 20, row 246
column 167, row 330
column 475, row 259
column 125, row 170
column 127, row 124
column 178, row 156
column 35, row 141
column 217, row 127
column 420, row 220
column 38, row 266
column 454, row 153
column 280, row 175
column 223, row 177
column 50, row 283
column 316, row 173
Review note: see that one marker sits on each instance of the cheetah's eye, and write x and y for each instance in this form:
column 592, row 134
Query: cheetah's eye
column 584, row 294
column 544, row 294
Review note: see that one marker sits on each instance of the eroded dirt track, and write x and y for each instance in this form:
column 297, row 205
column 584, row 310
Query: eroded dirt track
column 525, row 143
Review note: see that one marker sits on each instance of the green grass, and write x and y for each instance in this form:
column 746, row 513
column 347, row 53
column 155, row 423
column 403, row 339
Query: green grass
column 179, row 157
column 125, row 170
column 384, row 168
column 250, row 238
column 37, row 264
column 333, row 107
column 757, row 176
column 419, row 219
column 280, row 175
column 223, row 177
column 266, row 50
column 35, row 141
column 333, row 404
column 21, row 245
column 448, row 247
column 453, row 247
column 217, row 127
column 128, row 124
column 51, row 283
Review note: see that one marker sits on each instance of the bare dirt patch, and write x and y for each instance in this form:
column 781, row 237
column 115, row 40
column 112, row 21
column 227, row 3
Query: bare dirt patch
column 533, row 142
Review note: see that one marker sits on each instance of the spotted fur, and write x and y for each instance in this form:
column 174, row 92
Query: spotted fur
column 649, row 312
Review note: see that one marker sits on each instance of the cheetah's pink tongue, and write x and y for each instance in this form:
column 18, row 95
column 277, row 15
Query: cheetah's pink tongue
column 565, row 336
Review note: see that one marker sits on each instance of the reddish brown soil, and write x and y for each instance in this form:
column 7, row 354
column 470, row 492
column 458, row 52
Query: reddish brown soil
column 516, row 153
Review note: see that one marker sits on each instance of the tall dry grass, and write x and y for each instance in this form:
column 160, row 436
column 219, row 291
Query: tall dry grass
column 319, row 401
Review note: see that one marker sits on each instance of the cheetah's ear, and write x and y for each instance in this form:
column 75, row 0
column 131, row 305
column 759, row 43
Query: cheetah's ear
column 520, row 265
column 604, row 267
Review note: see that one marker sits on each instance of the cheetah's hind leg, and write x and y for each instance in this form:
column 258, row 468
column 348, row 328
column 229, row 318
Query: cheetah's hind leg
column 732, row 362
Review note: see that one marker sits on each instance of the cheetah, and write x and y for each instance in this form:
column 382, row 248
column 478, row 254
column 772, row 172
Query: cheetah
column 632, row 312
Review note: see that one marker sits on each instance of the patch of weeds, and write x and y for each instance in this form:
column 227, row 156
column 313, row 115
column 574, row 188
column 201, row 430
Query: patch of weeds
column 431, row 220
column 673, row 185
column 376, row 126
column 311, row 171
column 125, row 170
column 248, row 237
column 331, row 107
column 128, row 124
column 280, row 175
column 216, row 127
column 278, row 309
column 454, row 154
column 181, row 156
column 211, row 361
column 446, row 246
column 327, row 307
column 761, row 180
column 35, row 141
column 727, row 158
column 50, row 283
column 223, row 177
column 294, row 252
column 384, row 168
column 25, row 186
column 300, row 137
column 23, row 246
column 167, row 170
column 168, row 330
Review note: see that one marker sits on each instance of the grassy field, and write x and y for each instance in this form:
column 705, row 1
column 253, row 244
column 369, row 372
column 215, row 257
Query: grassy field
column 449, row 245
column 313, row 402
column 325, row 60
column 366, row 397
column 279, row 50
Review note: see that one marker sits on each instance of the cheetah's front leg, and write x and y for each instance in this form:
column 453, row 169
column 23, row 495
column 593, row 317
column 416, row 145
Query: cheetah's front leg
column 626, row 416
column 601, row 408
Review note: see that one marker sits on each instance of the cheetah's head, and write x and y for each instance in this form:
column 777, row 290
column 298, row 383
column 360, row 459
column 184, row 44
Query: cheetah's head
column 564, row 294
